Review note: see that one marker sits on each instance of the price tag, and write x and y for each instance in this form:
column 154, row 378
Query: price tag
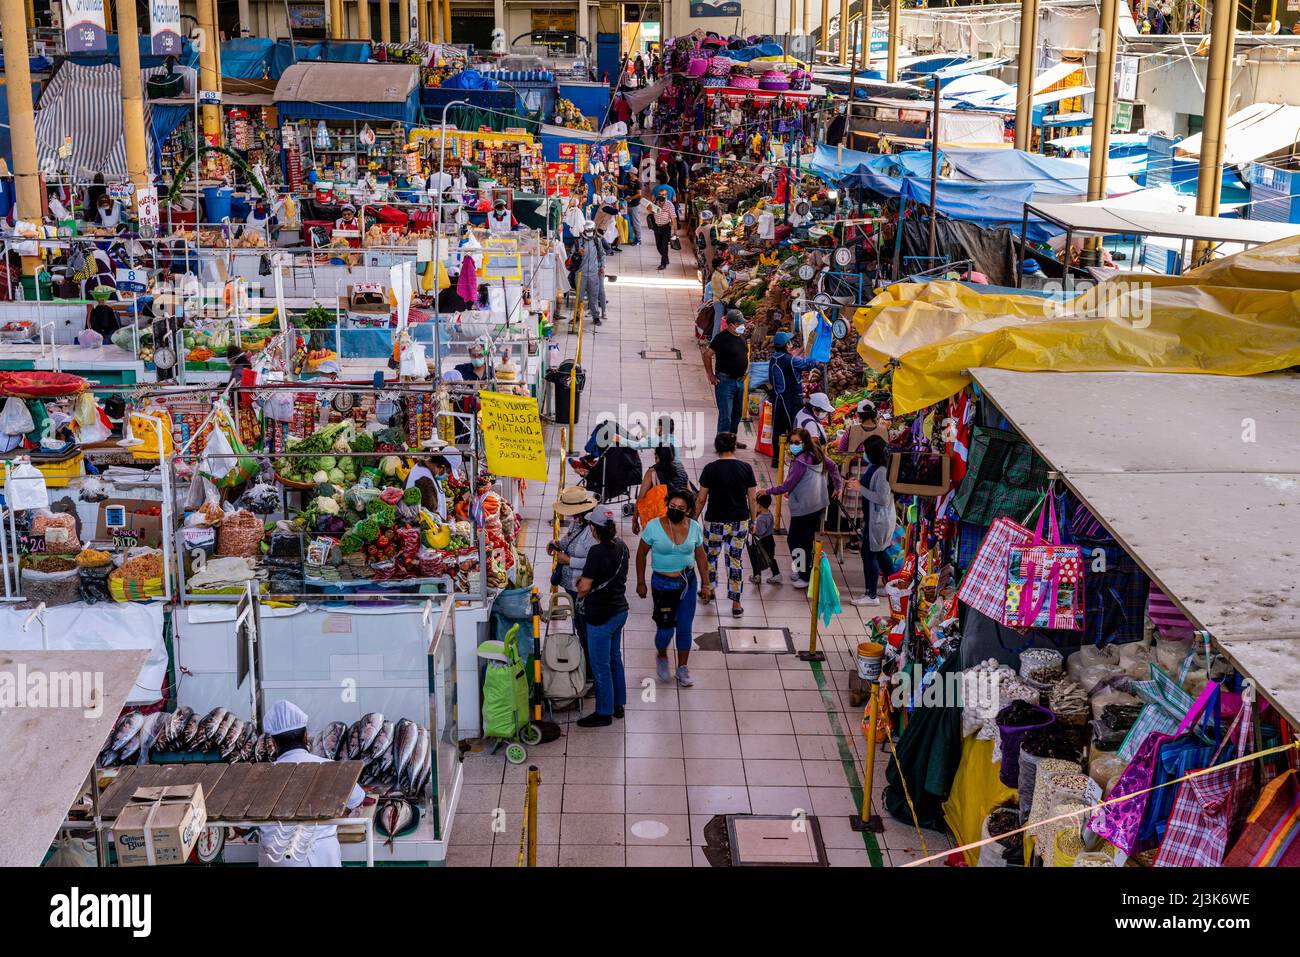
column 31, row 545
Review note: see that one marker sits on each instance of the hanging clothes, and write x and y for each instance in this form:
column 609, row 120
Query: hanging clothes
column 467, row 281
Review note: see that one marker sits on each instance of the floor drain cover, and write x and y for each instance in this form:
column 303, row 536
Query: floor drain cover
column 763, row 641
column 775, row 840
column 661, row 354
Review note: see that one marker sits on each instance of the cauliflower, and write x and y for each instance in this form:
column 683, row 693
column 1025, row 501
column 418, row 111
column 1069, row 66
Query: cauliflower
column 326, row 505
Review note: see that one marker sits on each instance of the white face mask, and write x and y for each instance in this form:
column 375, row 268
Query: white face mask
column 739, row 330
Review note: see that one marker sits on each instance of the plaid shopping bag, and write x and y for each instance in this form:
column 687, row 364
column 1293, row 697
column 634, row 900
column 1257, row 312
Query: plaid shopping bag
column 984, row 587
column 1044, row 582
column 1167, row 704
column 1206, row 808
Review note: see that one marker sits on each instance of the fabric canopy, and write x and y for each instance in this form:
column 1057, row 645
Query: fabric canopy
column 1237, row 316
column 1049, row 175
column 1252, row 133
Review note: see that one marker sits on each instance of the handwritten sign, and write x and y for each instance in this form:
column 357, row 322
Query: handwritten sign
column 512, row 432
column 122, row 540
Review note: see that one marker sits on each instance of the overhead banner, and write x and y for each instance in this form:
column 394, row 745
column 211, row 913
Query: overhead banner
column 413, row 18
column 83, row 26
column 512, row 433
column 165, row 27
column 726, row 8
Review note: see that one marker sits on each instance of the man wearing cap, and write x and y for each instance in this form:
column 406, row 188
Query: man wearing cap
column 813, row 416
column 298, row 845
column 726, row 363
column 787, row 389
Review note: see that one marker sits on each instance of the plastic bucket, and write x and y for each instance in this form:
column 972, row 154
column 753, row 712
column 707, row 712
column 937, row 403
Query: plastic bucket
column 216, row 203
column 870, row 656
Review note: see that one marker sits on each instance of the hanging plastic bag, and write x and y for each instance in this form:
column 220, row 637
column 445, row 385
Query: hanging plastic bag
column 25, row 488
column 201, row 490
column 16, row 419
column 218, row 455
column 413, row 362
column 278, row 406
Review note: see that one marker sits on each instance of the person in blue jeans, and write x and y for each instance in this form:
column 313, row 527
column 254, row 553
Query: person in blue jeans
column 602, row 590
column 726, row 363
column 674, row 544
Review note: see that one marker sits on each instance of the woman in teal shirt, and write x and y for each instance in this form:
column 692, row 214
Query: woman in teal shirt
column 675, row 545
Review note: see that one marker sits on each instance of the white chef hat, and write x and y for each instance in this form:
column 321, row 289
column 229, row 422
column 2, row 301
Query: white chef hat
column 284, row 716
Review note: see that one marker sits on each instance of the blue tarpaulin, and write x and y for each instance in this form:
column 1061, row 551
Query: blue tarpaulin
column 1049, row 175
column 856, row 168
column 745, row 54
column 286, row 53
column 984, row 204
column 591, row 99
column 189, row 56
column 469, row 80
column 246, row 58
column 165, row 118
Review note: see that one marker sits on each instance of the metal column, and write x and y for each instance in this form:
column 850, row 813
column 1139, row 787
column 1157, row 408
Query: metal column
column 1025, row 70
column 1103, row 100
column 1218, row 82
column 895, row 15
column 22, row 125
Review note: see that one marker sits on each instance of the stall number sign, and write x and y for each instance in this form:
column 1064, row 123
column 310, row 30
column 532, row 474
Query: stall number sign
column 132, row 280
column 512, row 433
column 210, row 97
column 502, row 266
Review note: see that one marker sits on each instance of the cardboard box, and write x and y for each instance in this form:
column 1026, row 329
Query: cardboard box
column 146, row 528
column 160, row 825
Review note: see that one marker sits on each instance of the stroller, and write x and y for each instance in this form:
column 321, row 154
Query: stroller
column 506, row 711
column 614, row 476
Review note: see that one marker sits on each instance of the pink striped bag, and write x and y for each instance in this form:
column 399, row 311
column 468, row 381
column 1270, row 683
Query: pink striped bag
column 985, row 586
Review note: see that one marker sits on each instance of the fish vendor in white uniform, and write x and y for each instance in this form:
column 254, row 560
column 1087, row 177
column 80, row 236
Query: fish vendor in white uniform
column 288, row 845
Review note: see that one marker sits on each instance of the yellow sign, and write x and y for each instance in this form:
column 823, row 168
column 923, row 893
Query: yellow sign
column 512, row 432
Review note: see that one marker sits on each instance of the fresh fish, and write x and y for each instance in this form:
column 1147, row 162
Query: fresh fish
column 107, row 758
column 326, row 744
column 382, row 742
column 230, row 743
column 189, row 738
column 422, row 779
column 129, row 750
column 208, row 726
column 219, row 733
column 173, row 731
column 406, row 780
column 248, row 746
column 265, row 749
column 370, row 725
column 127, row 727
column 152, row 727
column 394, row 815
column 354, row 742
column 405, row 737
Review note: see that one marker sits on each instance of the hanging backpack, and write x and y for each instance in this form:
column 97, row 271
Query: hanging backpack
column 564, row 670
column 505, row 686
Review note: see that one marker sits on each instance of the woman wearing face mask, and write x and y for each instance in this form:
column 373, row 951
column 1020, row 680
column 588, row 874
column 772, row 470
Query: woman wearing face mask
column 570, row 551
column 807, row 498
column 675, row 544
column 501, row 220
column 109, row 211
column 816, row 410
column 602, row 588
column 879, row 520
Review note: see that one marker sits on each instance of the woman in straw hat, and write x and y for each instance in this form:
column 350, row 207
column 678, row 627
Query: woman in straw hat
column 569, row 551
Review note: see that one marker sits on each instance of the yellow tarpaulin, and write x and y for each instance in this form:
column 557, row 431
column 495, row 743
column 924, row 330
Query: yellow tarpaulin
column 1222, row 319
column 976, row 790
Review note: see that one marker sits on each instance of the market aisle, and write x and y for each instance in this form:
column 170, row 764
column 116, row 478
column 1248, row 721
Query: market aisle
column 764, row 734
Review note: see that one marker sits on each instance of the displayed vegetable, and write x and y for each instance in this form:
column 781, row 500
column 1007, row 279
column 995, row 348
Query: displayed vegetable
column 411, row 496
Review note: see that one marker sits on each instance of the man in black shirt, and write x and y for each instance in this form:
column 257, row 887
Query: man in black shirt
column 726, row 362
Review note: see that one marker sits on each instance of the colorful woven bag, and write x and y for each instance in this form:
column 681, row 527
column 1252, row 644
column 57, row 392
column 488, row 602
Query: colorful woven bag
column 1044, row 583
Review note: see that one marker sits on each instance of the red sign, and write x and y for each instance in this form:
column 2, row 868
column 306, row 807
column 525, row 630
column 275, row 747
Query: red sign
column 568, row 151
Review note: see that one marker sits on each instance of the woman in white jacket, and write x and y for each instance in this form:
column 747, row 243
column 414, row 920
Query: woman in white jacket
column 878, row 520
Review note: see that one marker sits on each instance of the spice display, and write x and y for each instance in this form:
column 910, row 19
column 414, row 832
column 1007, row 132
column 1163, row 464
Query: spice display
column 55, row 587
column 240, row 535
column 92, row 558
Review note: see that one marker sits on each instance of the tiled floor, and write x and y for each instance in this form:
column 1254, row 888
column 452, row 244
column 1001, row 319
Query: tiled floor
column 757, row 733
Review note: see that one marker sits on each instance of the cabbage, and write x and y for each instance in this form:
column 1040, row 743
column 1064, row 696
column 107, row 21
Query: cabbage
column 328, row 462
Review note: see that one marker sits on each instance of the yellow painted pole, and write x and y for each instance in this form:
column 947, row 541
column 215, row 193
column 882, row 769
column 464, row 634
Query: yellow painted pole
column 1218, row 80
column 446, row 20
column 137, row 159
column 404, row 21
column 422, row 18
column 209, row 72
column 895, row 39
column 807, row 16
column 794, row 14
column 573, row 376
column 537, row 655
column 780, row 474
column 22, row 124
column 1025, row 73
column 363, row 19
column 814, row 584
column 869, row 762
column 435, row 21
column 826, row 29
column 385, row 22
column 31, row 13
column 1103, row 101
column 844, row 32
column 534, row 781
column 108, row 14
